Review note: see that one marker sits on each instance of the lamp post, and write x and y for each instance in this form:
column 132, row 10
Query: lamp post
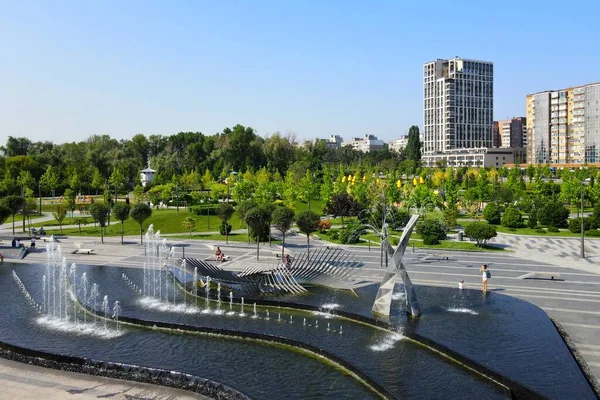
column 40, row 194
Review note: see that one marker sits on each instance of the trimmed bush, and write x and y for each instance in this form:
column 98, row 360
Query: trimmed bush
column 593, row 233
column 430, row 240
column 481, row 232
column 553, row 229
column 512, row 218
column 394, row 240
column 540, row 230
column 399, row 218
column 575, row 224
column 204, row 209
column 222, row 228
column 553, row 213
column 491, row 213
column 432, row 227
column 324, row 225
column 351, row 233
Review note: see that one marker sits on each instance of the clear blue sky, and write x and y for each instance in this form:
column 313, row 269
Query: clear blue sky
column 70, row 69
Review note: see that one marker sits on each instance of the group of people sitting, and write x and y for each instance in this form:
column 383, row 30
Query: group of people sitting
column 16, row 243
column 219, row 255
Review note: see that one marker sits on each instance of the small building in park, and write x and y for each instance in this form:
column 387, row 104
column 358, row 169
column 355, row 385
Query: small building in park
column 147, row 175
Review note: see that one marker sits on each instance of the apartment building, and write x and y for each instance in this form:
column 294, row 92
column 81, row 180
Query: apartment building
column 458, row 105
column 398, row 145
column 510, row 133
column 564, row 125
column 334, row 142
column 365, row 144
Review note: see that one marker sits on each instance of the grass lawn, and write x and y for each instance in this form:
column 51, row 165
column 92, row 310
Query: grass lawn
column 315, row 206
column 167, row 221
column 233, row 237
column 529, row 231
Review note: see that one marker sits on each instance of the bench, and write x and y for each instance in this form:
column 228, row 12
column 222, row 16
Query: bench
column 80, row 250
column 541, row 275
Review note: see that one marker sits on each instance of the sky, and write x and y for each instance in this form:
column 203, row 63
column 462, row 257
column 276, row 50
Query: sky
column 72, row 69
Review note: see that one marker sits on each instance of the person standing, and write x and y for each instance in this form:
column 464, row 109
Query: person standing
column 485, row 275
column 33, row 243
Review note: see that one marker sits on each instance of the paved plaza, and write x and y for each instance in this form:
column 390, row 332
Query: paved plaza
column 572, row 298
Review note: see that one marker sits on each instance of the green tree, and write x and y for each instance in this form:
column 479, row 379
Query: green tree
column 14, row 203
column 49, row 180
column 342, row 205
column 99, row 211
column 121, row 212
column 481, row 232
column 59, row 214
column 242, row 210
column 553, row 213
column 189, row 223
column 512, row 218
column 140, row 212
column 69, row 196
column 435, row 229
column 116, row 180
column 283, row 218
column 98, row 181
column 225, row 212
column 491, row 213
column 256, row 218
column 308, row 222
column 5, row 212
column 413, row 145
column 308, row 188
column 81, row 221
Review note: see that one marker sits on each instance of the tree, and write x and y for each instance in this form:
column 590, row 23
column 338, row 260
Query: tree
column 69, row 197
column 532, row 221
column 225, row 212
column 481, row 232
column 242, row 210
column 342, row 205
column 433, row 228
column 14, row 203
column 59, row 214
column 81, row 220
column 308, row 188
column 413, row 146
column 121, row 212
column 283, row 218
column 5, row 212
column 140, row 212
column 49, row 180
column 491, row 213
column 512, row 218
column 308, row 222
column 256, row 218
column 99, row 212
column 553, row 213
column 189, row 223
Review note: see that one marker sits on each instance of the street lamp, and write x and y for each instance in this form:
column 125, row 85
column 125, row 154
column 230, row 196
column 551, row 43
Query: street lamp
column 582, row 249
column 40, row 194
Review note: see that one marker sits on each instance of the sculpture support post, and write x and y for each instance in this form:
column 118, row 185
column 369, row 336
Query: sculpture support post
column 383, row 300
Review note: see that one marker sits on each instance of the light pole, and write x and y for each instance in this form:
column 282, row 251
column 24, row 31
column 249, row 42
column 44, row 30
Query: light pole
column 582, row 250
column 40, row 194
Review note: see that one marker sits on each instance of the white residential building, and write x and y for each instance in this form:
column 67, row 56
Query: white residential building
column 398, row 144
column 458, row 106
column 365, row 144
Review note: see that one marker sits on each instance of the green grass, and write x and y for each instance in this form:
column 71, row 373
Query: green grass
column 529, row 231
column 315, row 206
column 167, row 221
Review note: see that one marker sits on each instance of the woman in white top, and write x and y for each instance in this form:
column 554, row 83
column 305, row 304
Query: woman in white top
column 484, row 276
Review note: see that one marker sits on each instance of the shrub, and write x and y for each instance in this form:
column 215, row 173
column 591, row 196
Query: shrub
column 204, row 209
column 532, row 221
column 430, row 240
column 575, row 224
column 324, row 225
column 491, row 213
column 540, row 230
column 394, row 240
column 593, row 233
column 481, row 232
column 399, row 218
column 334, row 234
column 595, row 218
column 222, row 228
column 432, row 227
column 351, row 233
column 553, row 213
column 553, row 229
column 512, row 218
column 525, row 205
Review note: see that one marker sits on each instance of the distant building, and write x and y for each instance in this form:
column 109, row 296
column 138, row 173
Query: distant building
column 147, row 175
column 398, row 144
column 476, row 157
column 334, row 142
column 563, row 126
column 510, row 133
column 366, row 144
column 458, row 105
